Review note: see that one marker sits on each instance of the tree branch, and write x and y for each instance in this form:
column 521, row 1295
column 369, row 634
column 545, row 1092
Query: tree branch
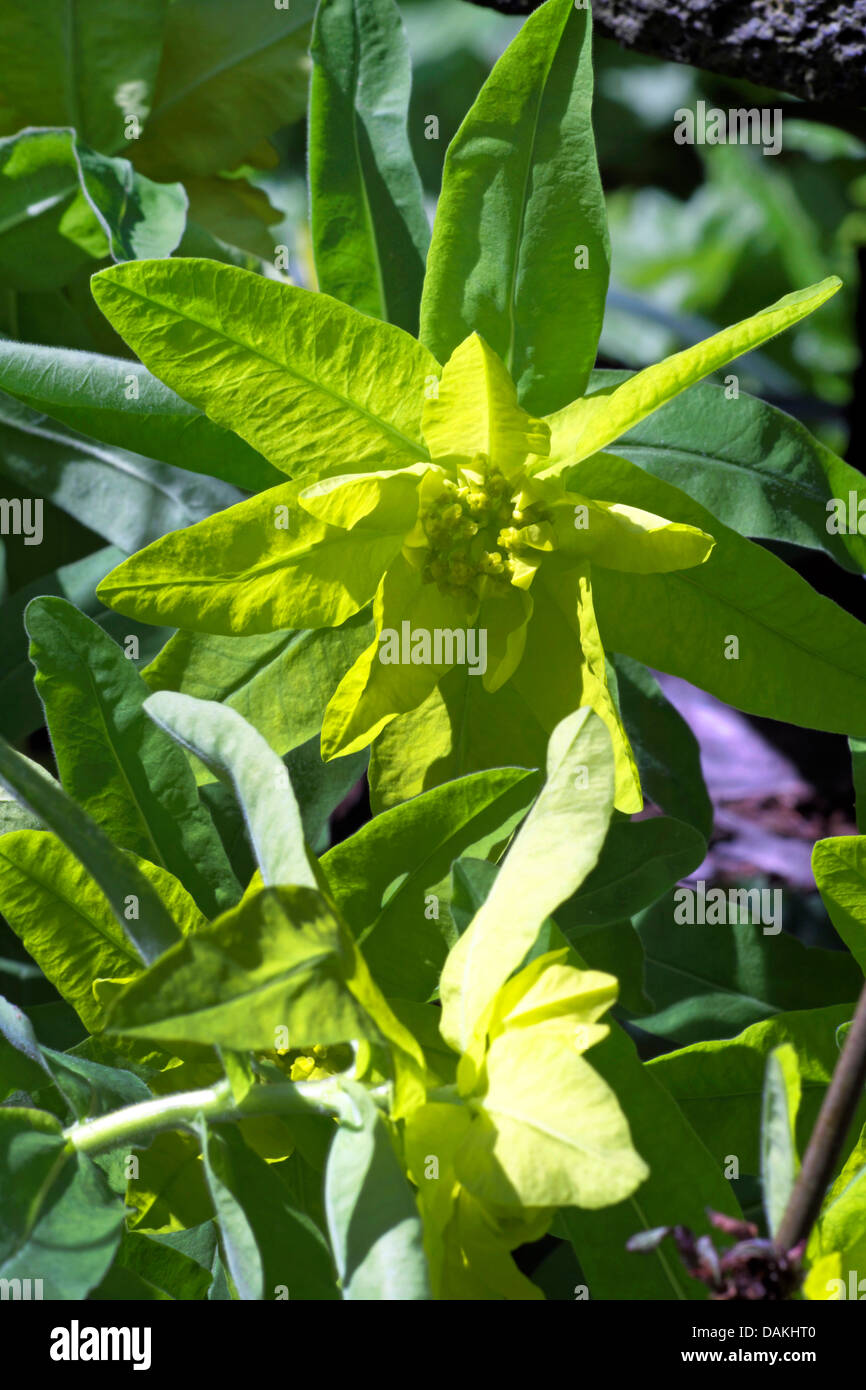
column 815, row 49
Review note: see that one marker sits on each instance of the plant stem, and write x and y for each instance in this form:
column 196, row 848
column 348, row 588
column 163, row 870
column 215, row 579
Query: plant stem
column 828, row 1136
column 137, row 1122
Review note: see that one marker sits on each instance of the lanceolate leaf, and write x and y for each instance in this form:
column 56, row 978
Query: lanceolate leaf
column 719, row 1085
column 233, row 749
column 153, row 931
column 754, row 467
column 63, row 920
column 21, row 708
column 115, row 762
column 127, row 499
column 639, row 861
column 521, row 172
column 237, row 1239
column 296, row 375
column 23, row 1065
column 272, row 1250
column 665, row 748
column 797, row 657
column 685, row 1178
column 588, row 425
column 390, row 879
column 712, row 981
column 555, row 849
column 369, row 226
column 136, row 216
column 118, row 402
column 279, row 681
column 372, row 1218
column 779, row 1160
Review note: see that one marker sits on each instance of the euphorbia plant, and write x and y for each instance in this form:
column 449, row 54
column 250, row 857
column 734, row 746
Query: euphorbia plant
column 224, row 1023
column 464, row 481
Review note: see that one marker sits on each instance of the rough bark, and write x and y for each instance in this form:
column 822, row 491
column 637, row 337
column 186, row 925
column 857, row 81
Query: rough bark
column 815, row 49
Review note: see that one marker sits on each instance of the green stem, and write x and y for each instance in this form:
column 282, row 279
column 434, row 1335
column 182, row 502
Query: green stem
column 214, row 1103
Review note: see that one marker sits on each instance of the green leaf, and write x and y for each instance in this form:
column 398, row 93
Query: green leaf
column 639, row 861
column 281, row 960
column 92, row 1088
column 684, row 1179
column 666, row 750
column 65, row 923
column 841, row 1226
column 222, row 91
column 550, row 1131
column 800, row 657
column 249, row 577
column 235, row 215
column 21, row 706
column 136, row 217
column 272, row 1249
column 372, row 1218
column 170, row 1193
column 320, row 787
column 369, row 227
column 59, row 1223
column 475, row 410
column 293, row 373
column 779, row 1160
column 590, row 424
column 280, row 682
column 462, row 728
column 839, row 866
column 556, row 847
column 139, row 217
column 82, row 65
column 115, row 762
column 390, row 879
column 233, row 749
column 757, row 469
column 614, row 946
column 23, row 1065
column 163, row 1271
column 120, row 403
column 521, row 173
column 238, row 1242
column 719, row 1085
column 713, row 981
column 127, row 499
column 48, row 230
column 153, row 931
